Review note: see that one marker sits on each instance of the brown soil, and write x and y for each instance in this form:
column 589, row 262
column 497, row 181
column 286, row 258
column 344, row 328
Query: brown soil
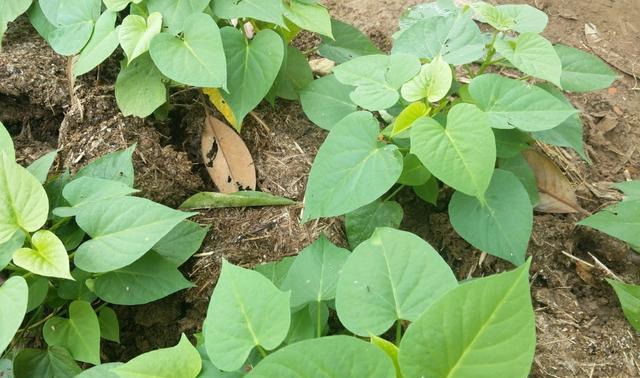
column 581, row 329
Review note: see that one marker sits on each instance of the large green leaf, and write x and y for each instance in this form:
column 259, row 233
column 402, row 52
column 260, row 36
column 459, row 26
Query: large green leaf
column 264, row 10
column 347, row 43
column 103, row 42
column 361, row 223
column 46, row 257
column 13, row 305
column 621, row 221
column 54, row 362
column 393, row 276
column 629, row 296
column 583, row 72
column 421, row 12
column 195, row 59
column 23, row 201
column 146, row 280
column 181, row 243
column 238, row 320
column 329, row 357
column 502, row 224
column 175, row 14
column 352, row 168
column 631, row 189
column 463, row 154
column 6, row 143
column 100, row 371
column 115, row 166
column 86, row 190
column 312, row 17
column 514, row 104
column 454, row 37
column 11, row 9
column 517, row 17
column 532, row 54
column 326, row 101
column 377, row 78
column 484, row 328
column 79, row 334
column 252, row 67
column 135, row 34
column 139, row 88
column 432, row 83
column 122, row 230
column 180, row 361
column 313, row 276
column 73, row 20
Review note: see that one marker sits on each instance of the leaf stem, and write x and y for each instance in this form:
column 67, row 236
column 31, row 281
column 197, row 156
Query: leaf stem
column 490, row 53
column 390, row 196
column 398, row 331
column 262, row 351
column 318, row 324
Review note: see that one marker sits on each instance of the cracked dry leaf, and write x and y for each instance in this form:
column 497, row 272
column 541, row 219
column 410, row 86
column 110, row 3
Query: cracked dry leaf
column 227, row 158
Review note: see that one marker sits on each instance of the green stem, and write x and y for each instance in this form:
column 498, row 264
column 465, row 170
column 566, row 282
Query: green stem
column 490, row 53
column 263, row 352
column 59, row 223
column 390, row 196
column 318, row 323
column 398, row 331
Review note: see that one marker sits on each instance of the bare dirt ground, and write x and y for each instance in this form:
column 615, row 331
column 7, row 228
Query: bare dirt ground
column 581, row 330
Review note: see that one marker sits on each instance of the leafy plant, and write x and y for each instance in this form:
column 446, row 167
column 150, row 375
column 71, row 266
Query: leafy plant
column 236, row 50
column 70, row 245
column 622, row 221
column 460, row 108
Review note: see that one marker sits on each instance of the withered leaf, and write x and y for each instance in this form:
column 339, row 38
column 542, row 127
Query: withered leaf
column 556, row 193
column 226, row 157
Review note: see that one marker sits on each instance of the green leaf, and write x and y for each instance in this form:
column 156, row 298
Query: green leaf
column 295, row 74
column 109, row 325
column 40, row 168
column 252, row 321
column 101, row 371
column 361, row 223
column 514, row 104
column 377, row 78
column 197, row 58
column 631, row 189
column 420, row 12
column 139, row 88
column 313, row 276
column 181, row 242
column 253, row 66
column 629, row 296
column 622, row 221
column 456, row 38
column 9, row 247
column 408, row 116
column 568, row 133
column 6, row 143
column 334, row 356
column 390, row 349
column 73, row 22
column 79, row 334
column 11, row 9
column 483, row 328
column 309, row 322
column 532, row 54
column 501, row 226
column 413, row 172
column 136, row 32
column 13, row 306
column 54, row 362
column 522, row 170
column 526, row 18
column 463, row 154
column 180, row 361
column 511, row 142
column 276, row 271
column 87, row 190
column 326, row 101
column 116, row 166
column 429, row 191
column 393, row 276
column 103, row 42
column 263, row 10
column 433, row 82
column 583, row 72
column 214, row 200
column 146, row 280
column 122, row 230
column 38, row 290
column 23, row 201
column 352, row 168
column 348, row 43
column 76, row 290
column 118, row 5
column 312, row 17
column 46, row 257
column 175, row 14
column 39, row 21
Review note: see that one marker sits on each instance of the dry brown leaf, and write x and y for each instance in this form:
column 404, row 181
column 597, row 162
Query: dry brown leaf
column 556, row 193
column 226, row 157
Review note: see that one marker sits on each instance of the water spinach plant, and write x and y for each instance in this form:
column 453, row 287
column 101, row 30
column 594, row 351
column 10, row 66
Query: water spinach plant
column 458, row 108
column 238, row 51
column 71, row 245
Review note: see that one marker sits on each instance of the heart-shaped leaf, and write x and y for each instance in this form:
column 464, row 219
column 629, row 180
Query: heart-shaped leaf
column 135, row 34
column 79, row 334
column 254, row 321
column 103, row 42
column 502, row 224
column 13, row 305
column 361, row 223
column 532, row 54
column 393, row 276
column 195, row 59
column 352, row 168
column 176, row 13
column 433, row 82
column 326, row 101
column 463, row 154
column 140, row 89
column 73, row 22
column 46, row 257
